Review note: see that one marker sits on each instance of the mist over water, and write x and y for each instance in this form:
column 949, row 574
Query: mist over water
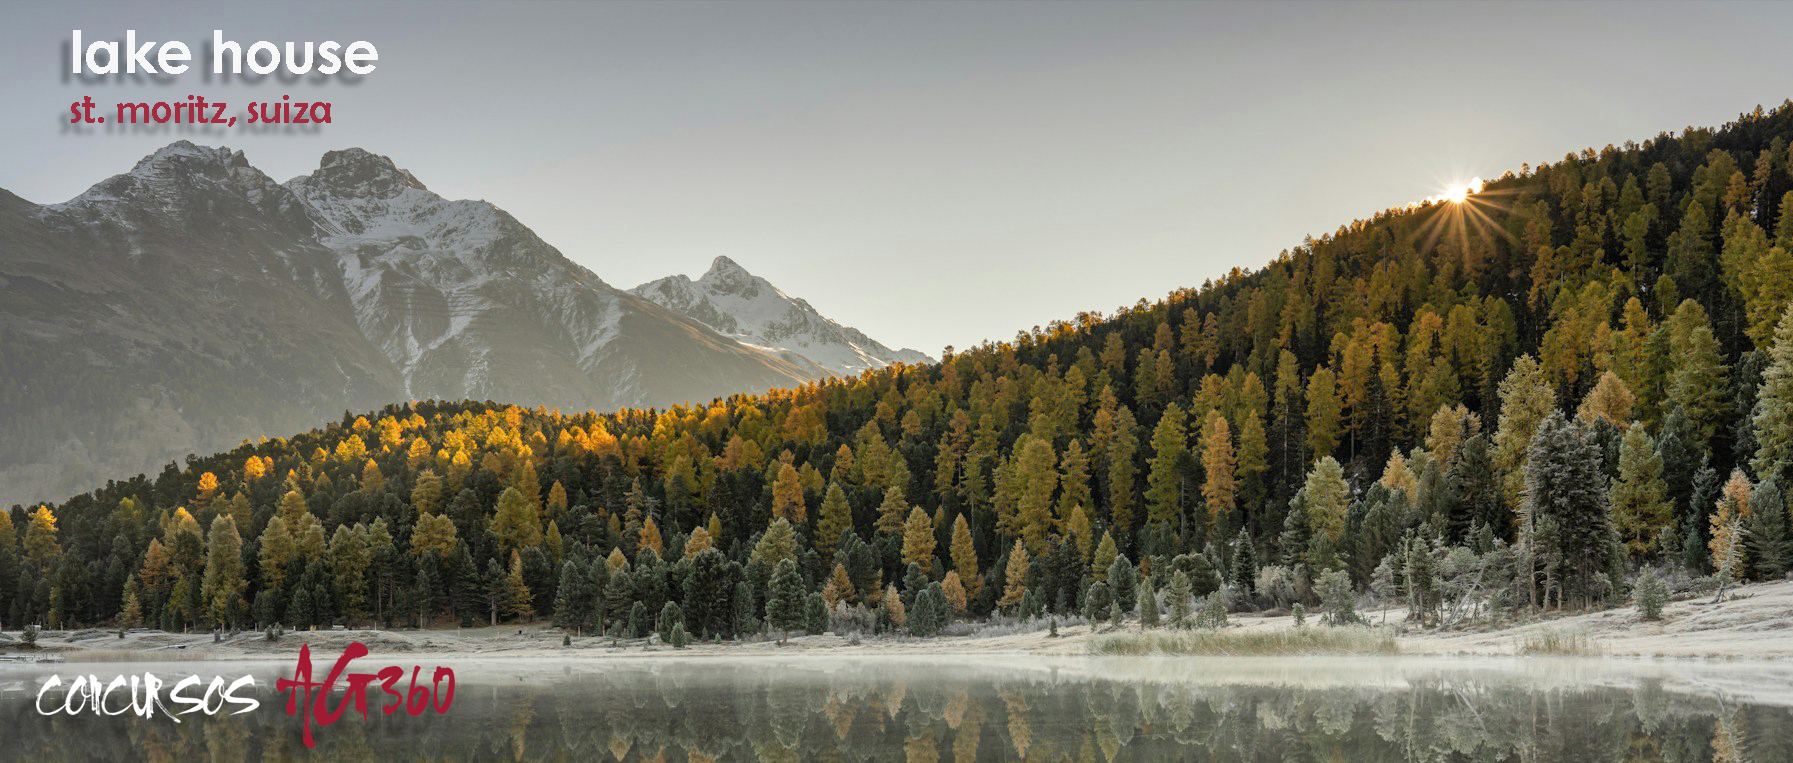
column 988, row 708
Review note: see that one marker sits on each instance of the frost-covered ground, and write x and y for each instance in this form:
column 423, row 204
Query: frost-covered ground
column 1756, row 623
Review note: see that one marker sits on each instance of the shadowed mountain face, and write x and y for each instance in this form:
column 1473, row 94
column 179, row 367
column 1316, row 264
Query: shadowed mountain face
column 194, row 302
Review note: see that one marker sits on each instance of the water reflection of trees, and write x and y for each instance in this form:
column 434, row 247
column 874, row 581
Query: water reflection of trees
column 785, row 713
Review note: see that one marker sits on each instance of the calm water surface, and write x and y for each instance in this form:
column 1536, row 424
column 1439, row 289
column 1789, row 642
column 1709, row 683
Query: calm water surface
column 977, row 709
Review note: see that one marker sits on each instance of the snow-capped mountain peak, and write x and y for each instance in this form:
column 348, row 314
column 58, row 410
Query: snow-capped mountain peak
column 361, row 173
column 184, row 154
column 186, row 188
column 726, row 271
column 173, row 174
column 749, row 308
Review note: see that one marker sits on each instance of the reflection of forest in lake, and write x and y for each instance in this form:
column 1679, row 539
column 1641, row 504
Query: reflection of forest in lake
column 874, row 709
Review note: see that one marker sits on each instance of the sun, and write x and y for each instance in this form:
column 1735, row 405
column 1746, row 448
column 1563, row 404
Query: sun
column 1457, row 193
column 1457, row 221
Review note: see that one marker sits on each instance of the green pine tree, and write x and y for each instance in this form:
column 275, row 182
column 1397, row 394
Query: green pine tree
column 742, row 619
column 1179, row 597
column 1563, row 482
column 784, row 599
column 1765, row 532
column 669, row 617
column 1148, row 605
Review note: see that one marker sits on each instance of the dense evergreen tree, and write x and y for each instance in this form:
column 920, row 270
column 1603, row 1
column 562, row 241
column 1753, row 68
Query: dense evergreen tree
column 1178, row 597
column 1765, row 532
column 1566, row 511
column 785, row 599
column 572, row 601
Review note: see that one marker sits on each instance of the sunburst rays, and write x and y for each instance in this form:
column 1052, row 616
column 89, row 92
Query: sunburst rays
column 1459, row 215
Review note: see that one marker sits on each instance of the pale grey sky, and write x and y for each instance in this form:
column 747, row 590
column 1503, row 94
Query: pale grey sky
column 932, row 173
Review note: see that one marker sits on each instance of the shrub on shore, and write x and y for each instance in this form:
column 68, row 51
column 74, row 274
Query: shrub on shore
column 1239, row 643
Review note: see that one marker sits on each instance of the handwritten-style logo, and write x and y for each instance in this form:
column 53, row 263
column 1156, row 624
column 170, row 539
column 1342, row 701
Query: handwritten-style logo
column 312, row 698
column 306, row 697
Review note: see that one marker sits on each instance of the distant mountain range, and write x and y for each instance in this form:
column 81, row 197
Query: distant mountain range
column 194, row 302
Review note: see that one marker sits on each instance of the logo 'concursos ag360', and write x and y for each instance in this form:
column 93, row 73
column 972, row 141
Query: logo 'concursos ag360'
column 143, row 693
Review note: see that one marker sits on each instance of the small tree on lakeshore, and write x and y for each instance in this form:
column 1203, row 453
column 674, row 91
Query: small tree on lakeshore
column 669, row 616
column 1213, row 612
column 930, row 612
column 1148, row 605
column 1337, row 595
column 894, row 613
column 1179, row 597
column 815, row 615
column 639, row 624
column 1097, row 601
column 1650, row 594
column 1015, row 578
column 1383, row 584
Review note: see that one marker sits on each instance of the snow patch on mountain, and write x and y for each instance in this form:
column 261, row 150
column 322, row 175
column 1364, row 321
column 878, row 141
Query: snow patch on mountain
column 750, row 309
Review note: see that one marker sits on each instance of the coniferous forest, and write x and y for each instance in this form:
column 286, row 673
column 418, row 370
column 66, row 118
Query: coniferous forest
column 1571, row 386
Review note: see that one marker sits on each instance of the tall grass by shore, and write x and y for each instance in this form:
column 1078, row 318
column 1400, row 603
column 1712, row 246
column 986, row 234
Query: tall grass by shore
column 1555, row 642
column 1247, row 643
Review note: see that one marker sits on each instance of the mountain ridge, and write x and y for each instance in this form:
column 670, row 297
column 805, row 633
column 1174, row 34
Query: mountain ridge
column 158, row 307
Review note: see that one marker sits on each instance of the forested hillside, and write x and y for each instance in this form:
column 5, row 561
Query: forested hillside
column 1511, row 402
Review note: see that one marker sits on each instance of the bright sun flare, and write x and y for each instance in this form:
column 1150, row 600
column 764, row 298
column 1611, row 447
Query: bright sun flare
column 1457, row 193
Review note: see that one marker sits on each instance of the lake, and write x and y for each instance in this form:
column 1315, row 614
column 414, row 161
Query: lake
column 972, row 708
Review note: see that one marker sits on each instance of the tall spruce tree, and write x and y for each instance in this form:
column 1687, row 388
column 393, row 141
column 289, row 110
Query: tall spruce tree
column 570, row 603
column 1765, row 532
column 784, row 599
column 1563, row 484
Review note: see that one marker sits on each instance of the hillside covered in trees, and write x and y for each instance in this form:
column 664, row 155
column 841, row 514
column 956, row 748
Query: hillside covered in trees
column 1499, row 405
